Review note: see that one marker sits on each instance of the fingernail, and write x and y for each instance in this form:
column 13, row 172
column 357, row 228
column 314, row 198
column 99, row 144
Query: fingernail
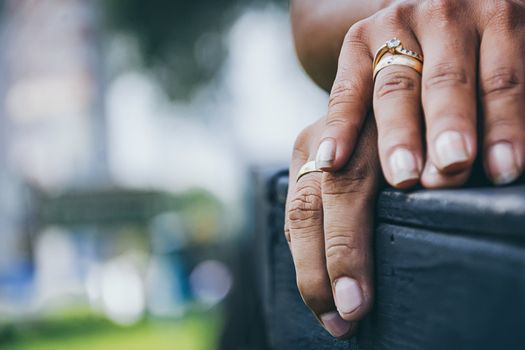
column 502, row 163
column 348, row 295
column 431, row 169
column 325, row 154
column 334, row 324
column 451, row 149
column 430, row 175
column 431, row 172
column 403, row 165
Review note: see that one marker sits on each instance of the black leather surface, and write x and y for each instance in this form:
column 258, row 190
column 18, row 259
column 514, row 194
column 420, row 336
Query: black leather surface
column 450, row 273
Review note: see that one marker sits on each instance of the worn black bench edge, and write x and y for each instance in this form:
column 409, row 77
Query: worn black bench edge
column 435, row 288
column 483, row 211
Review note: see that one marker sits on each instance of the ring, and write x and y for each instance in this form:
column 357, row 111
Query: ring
column 309, row 167
column 394, row 47
column 399, row 60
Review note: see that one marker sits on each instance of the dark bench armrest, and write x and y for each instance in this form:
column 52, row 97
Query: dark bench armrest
column 449, row 271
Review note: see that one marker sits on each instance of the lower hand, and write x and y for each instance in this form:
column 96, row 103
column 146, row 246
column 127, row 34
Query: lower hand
column 329, row 222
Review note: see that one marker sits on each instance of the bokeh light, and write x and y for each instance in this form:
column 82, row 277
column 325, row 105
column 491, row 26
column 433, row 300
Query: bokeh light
column 128, row 131
column 210, row 281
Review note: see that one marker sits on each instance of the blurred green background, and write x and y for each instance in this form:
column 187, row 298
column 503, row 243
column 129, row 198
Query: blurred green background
column 84, row 331
column 128, row 132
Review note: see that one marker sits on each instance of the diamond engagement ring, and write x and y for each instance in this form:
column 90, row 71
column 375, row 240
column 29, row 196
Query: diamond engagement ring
column 394, row 47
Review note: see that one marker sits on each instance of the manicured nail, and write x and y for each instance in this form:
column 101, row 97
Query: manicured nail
column 325, row 154
column 348, row 296
column 334, row 324
column 451, row 149
column 403, row 165
column 502, row 163
column 430, row 177
column 431, row 169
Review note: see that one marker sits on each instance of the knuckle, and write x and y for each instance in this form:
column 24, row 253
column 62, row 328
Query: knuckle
column 501, row 81
column 395, row 83
column 300, row 147
column 394, row 16
column 357, row 34
column 343, row 123
column 353, row 183
column 398, row 134
column 306, row 205
column 500, row 10
column 446, row 75
column 339, row 246
column 440, row 10
column 505, row 15
column 302, row 143
column 349, row 181
column 503, row 126
column 344, row 91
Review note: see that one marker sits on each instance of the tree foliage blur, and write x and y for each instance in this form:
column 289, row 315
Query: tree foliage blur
column 181, row 41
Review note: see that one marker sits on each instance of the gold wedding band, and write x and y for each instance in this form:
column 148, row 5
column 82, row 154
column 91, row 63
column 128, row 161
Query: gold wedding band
column 394, row 47
column 399, row 60
column 309, row 167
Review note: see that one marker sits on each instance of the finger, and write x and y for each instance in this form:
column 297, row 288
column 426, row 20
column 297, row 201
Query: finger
column 397, row 109
column 303, row 220
column 349, row 101
column 433, row 178
column 302, row 149
column 300, row 156
column 348, row 198
column 449, row 89
column 502, row 77
column 307, row 245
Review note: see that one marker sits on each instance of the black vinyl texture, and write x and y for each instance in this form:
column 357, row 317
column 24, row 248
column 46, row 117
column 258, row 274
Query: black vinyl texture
column 449, row 273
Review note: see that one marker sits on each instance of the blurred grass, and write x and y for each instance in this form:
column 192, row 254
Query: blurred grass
column 198, row 331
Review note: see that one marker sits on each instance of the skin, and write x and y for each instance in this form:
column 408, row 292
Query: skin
column 336, row 41
column 472, row 77
column 326, row 242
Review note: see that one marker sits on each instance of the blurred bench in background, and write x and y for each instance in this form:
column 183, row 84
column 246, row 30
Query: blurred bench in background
column 450, row 272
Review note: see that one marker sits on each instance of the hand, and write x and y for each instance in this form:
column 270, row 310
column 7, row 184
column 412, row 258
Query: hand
column 473, row 66
column 329, row 222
